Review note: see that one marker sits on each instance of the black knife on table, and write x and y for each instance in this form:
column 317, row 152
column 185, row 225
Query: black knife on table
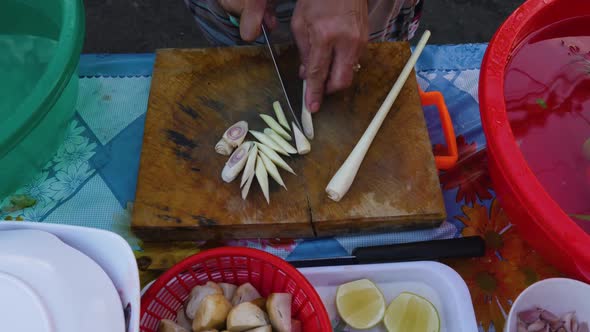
column 470, row 246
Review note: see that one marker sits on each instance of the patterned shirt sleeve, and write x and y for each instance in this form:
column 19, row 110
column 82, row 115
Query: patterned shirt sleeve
column 388, row 20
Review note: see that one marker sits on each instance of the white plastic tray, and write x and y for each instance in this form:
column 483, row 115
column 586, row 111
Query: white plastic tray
column 436, row 282
column 110, row 251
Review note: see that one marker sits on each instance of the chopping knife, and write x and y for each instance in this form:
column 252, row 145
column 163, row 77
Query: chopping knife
column 470, row 246
column 274, row 57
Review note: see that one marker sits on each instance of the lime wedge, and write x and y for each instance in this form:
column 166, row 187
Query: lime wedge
column 360, row 304
column 411, row 313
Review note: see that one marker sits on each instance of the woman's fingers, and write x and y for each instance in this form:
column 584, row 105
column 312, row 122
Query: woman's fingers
column 341, row 72
column 330, row 35
column 348, row 49
column 300, row 32
column 251, row 19
column 251, row 13
column 317, row 70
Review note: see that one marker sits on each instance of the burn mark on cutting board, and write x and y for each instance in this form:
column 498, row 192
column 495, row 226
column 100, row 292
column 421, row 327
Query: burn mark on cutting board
column 204, row 221
column 180, row 140
column 212, row 104
column 195, row 169
column 184, row 145
column 182, row 154
column 188, row 110
column 162, row 208
column 169, row 218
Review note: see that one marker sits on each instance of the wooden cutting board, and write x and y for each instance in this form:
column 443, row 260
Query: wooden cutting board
column 196, row 94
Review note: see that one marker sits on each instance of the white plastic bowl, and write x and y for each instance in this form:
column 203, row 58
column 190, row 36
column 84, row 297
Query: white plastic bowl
column 558, row 295
column 110, row 251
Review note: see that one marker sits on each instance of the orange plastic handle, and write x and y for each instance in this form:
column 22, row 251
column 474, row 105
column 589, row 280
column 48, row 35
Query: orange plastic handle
column 435, row 98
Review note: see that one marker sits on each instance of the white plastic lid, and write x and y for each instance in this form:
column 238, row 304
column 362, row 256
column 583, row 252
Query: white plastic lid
column 21, row 308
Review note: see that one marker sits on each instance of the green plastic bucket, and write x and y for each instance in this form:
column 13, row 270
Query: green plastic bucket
column 40, row 45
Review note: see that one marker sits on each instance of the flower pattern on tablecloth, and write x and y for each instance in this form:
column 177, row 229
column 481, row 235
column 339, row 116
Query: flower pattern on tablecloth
column 61, row 177
column 70, row 178
column 73, row 152
column 508, row 267
column 470, row 176
column 40, row 188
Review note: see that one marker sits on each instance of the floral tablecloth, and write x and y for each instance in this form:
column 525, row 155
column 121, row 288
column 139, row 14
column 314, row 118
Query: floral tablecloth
column 91, row 180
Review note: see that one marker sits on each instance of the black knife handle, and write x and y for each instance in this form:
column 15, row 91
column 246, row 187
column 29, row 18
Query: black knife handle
column 471, row 246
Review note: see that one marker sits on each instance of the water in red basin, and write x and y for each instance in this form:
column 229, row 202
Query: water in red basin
column 547, row 91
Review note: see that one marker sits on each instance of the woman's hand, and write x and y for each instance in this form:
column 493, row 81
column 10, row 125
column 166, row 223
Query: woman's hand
column 330, row 35
column 251, row 13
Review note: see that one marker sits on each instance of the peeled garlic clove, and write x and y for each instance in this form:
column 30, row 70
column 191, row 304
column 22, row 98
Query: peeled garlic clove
column 275, row 126
column 250, row 164
column 303, row 146
column 280, row 115
column 268, row 142
column 247, row 185
column 306, row 120
column 262, row 177
column 272, row 170
column 521, row 327
column 270, row 153
column 280, row 141
column 236, row 162
column 583, row 327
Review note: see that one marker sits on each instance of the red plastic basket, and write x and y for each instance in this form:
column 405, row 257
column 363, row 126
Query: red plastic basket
column 236, row 265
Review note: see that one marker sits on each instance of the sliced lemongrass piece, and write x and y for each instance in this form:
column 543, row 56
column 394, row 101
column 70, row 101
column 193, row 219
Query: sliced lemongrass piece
column 303, row 146
column 280, row 141
column 232, row 138
column 306, row 120
column 270, row 153
column 275, row 126
column 247, row 185
column 272, row 170
column 280, row 115
column 262, row 177
column 236, row 162
column 250, row 165
column 268, row 142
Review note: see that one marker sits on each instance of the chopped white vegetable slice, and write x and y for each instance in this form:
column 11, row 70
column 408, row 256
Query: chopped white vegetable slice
column 270, row 121
column 280, row 141
column 280, row 115
column 303, row 146
column 249, row 169
column 262, row 177
column 272, row 170
column 274, row 157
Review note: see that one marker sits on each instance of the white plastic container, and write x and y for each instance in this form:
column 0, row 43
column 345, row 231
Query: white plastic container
column 438, row 283
column 110, row 251
column 558, row 295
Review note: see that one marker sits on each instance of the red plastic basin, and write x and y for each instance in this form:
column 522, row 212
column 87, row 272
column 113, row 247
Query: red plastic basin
column 538, row 217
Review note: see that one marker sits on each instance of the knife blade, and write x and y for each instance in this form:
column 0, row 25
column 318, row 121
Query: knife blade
column 470, row 246
column 274, row 57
